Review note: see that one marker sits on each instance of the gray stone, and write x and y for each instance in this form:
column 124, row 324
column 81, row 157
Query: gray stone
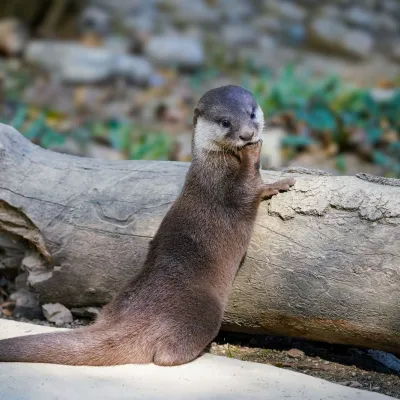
column 77, row 63
column 358, row 43
column 181, row 51
column 118, row 44
column 57, row 313
column 359, row 17
column 391, row 6
column 140, row 25
column 266, row 42
column 95, row 19
column 195, row 12
column 87, row 64
column 49, row 54
column 236, row 10
column 136, row 68
column 286, row 10
column 24, row 298
column 332, row 34
column 385, row 23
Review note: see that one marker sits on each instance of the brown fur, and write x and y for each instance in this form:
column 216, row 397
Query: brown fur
column 173, row 309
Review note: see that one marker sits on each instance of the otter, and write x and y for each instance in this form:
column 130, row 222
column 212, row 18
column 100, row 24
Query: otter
column 171, row 311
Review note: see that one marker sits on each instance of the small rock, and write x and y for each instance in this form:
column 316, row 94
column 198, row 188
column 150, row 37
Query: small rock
column 13, row 37
column 332, row 34
column 95, row 19
column 359, row 17
column 174, row 50
column 295, row 353
column 355, row 384
column 195, row 12
column 391, row 6
column 21, row 281
column 344, row 383
column 24, row 298
column 117, row 44
column 353, row 374
column 86, row 312
column 139, row 25
column 375, row 388
column 358, row 43
column 57, row 313
column 266, row 42
column 385, row 23
column 87, row 64
column 81, row 64
column 135, row 68
column 236, row 10
column 286, row 10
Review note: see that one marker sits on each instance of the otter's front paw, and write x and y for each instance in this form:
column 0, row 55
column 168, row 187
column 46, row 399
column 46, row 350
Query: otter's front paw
column 274, row 188
column 251, row 153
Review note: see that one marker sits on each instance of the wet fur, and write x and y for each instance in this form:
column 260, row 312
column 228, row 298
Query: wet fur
column 173, row 308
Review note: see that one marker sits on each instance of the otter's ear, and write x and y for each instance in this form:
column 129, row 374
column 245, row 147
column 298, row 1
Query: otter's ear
column 196, row 115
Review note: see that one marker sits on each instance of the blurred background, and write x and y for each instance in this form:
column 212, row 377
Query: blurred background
column 119, row 79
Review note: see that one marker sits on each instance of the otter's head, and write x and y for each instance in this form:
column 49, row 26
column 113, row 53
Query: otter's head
column 227, row 118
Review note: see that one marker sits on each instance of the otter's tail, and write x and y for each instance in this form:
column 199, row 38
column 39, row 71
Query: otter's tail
column 86, row 346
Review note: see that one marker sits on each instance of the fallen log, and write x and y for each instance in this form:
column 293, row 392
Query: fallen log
column 323, row 264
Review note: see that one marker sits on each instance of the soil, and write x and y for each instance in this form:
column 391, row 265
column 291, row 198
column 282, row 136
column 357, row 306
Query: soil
column 344, row 365
column 341, row 364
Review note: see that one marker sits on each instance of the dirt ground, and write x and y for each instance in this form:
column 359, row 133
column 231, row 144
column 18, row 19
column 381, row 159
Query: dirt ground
column 341, row 364
column 345, row 365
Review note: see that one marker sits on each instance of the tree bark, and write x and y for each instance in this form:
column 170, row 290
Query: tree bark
column 323, row 264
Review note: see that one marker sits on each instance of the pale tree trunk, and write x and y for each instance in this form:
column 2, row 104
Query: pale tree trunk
column 323, row 264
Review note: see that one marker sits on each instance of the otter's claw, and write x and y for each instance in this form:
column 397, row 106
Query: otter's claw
column 272, row 189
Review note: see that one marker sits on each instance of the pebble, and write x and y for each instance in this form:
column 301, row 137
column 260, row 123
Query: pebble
column 176, row 50
column 295, row 353
column 57, row 314
column 286, row 9
column 331, row 33
column 355, row 384
column 24, row 298
column 95, row 19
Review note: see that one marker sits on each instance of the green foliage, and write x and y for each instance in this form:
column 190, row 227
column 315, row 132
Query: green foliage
column 133, row 141
column 339, row 112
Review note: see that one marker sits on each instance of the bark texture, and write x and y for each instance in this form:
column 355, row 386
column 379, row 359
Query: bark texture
column 323, row 264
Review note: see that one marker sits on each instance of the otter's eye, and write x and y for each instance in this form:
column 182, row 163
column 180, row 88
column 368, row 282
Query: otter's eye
column 225, row 123
column 253, row 115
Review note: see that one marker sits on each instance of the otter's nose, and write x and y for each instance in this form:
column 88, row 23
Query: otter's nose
column 246, row 136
